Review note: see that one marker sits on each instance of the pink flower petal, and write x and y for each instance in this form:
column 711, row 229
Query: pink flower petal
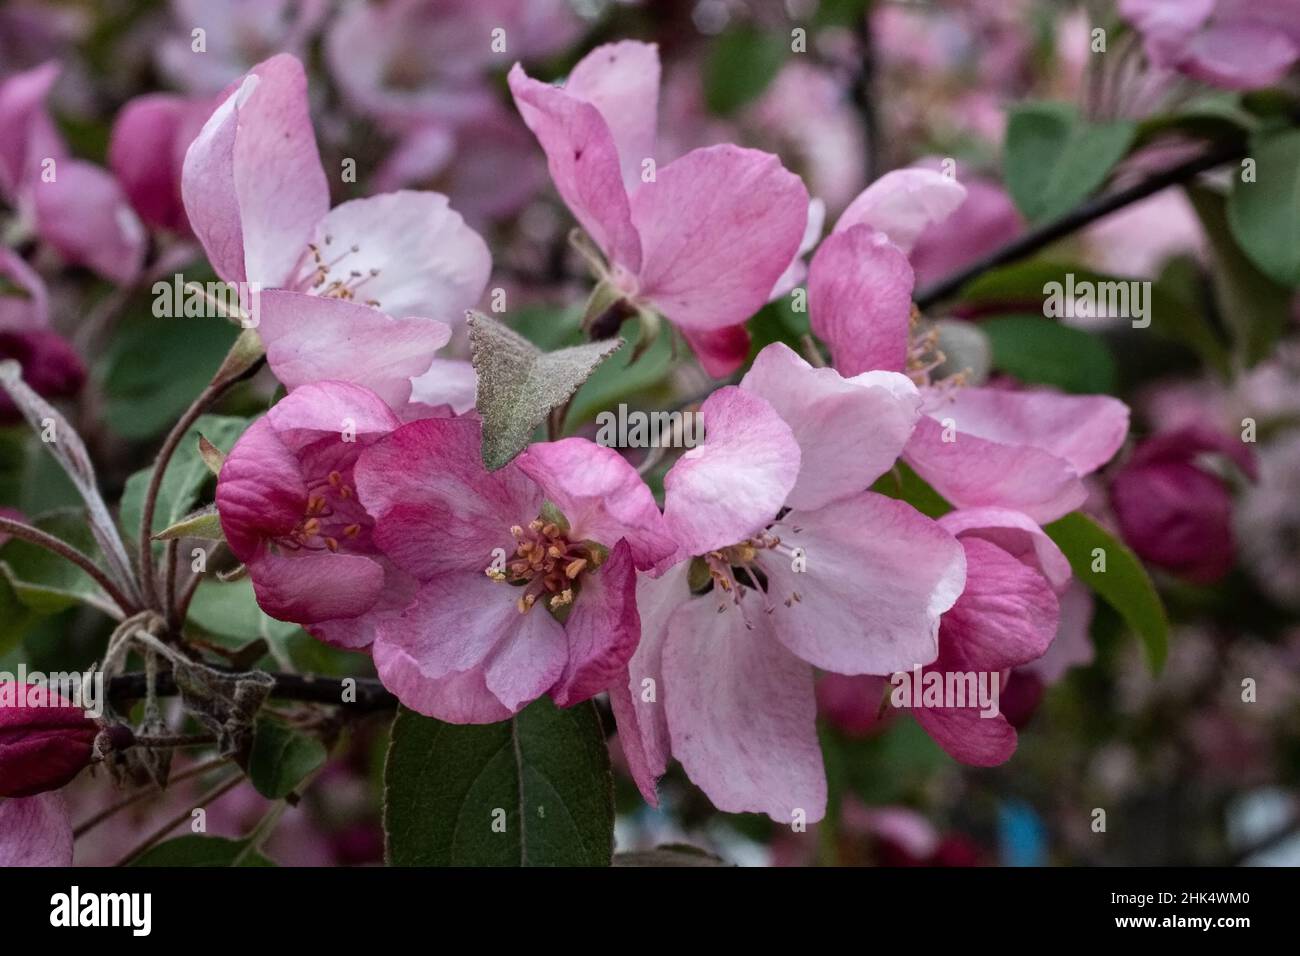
column 728, row 488
column 742, row 714
column 35, row 831
column 718, row 227
column 1014, row 533
column 312, row 339
column 310, row 588
column 412, row 252
column 602, row 630
column 1021, row 450
column 147, row 151
column 878, row 574
column 638, row 700
column 23, row 124
column 261, row 492
column 903, row 204
column 1072, row 645
column 584, row 164
column 252, row 182
column 30, row 308
column 720, row 351
column 850, row 431
column 452, row 383
column 462, row 652
column 860, row 300
column 968, row 737
column 601, row 494
column 436, row 507
column 1006, row 616
column 84, row 214
column 622, row 81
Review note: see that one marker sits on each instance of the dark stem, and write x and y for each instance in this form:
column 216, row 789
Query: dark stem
column 47, row 541
column 1035, row 239
column 370, row 693
column 207, row 398
column 864, row 95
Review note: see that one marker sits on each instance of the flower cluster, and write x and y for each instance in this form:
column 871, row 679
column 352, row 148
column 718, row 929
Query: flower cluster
column 362, row 509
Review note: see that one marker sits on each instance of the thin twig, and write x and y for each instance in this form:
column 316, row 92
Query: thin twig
column 49, row 542
column 1085, row 214
column 370, row 694
column 215, row 793
column 207, row 398
column 144, row 792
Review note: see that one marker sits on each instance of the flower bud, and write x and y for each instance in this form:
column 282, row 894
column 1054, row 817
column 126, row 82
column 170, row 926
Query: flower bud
column 44, row 740
column 1174, row 512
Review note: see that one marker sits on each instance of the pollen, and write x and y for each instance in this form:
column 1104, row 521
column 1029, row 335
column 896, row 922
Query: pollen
column 547, row 563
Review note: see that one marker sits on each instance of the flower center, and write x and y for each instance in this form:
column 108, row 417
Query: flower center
column 546, row 564
column 333, row 517
column 738, row 569
column 331, row 277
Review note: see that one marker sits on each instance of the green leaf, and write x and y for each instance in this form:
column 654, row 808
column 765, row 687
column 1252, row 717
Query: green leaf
column 616, row 380
column 230, row 610
column 282, row 758
column 15, row 617
column 1054, row 159
column 518, row 384
column 741, row 65
column 1124, row 584
column 1173, row 317
column 1265, row 214
column 535, row 790
column 42, row 580
column 204, row 523
column 903, row 483
column 195, row 850
column 1216, row 119
column 187, row 473
column 156, row 367
column 1253, row 306
column 1043, row 352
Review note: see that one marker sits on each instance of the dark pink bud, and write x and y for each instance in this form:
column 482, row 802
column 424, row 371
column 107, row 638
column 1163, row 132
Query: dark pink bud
column 44, row 740
column 1020, row 697
column 1174, row 512
column 50, row 366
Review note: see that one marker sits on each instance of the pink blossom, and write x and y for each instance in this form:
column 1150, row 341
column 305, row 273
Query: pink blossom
column 1006, row 617
column 76, row 207
column 1234, row 44
column 289, row 509
column 236, row 34
column 412, row 62
column 807, row 569
column 147, row 151
column 1172, row 511
column 35, row 831
column 704, row 239
column 258, row 200
column 50, row 365
column 568, row 522
column 1027, row 450
column 986, row 220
